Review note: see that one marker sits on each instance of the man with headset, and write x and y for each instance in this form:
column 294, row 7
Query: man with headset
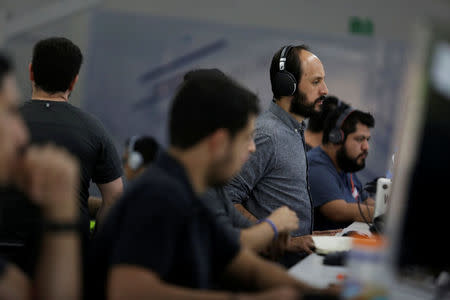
column 186, row 253
column 276, row 174
column 336, row 191
column 140, row 152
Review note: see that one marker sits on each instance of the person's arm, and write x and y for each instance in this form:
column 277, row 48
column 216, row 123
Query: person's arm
column 257, row 166
column 14, row 284
column 329, row 199
column 131, row 282
column 303, row 243
column 257, row 237
column 340, row 211
column 107, row 173
column 51, row 176
column 110, row 191
column 245, row 212
column 249, row 270
column 369, row 201
column 260, row 236
column 94, row 204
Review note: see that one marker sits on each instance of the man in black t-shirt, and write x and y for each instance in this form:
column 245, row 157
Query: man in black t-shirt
column 160, row 240
column 50, row 118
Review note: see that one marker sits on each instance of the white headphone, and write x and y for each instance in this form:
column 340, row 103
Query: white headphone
column 135, row 158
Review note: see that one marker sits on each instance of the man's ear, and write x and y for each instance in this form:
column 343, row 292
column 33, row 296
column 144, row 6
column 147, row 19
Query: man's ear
column 218, row 143
column 72, row 84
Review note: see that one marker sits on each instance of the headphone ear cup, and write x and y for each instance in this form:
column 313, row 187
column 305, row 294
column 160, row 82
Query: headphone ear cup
column 135, row 160
column 335, row 136
column 285, row 84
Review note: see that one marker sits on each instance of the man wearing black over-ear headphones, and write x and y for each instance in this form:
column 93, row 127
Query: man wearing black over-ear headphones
column 336, row 191
column 276, row 174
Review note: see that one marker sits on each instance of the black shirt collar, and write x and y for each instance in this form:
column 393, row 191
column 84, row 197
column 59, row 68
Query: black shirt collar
column 174, row 168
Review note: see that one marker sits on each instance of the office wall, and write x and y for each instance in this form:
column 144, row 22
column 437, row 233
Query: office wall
column 359, row 68
column 392, row 19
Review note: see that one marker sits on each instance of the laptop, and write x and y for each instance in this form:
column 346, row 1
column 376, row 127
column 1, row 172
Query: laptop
column 382, row 196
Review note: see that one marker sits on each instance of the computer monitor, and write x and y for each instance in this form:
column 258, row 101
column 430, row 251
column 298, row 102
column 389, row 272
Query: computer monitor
column 419, row 215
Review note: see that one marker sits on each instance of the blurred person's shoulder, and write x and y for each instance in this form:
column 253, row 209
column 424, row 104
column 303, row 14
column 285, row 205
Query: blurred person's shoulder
column 157, row 188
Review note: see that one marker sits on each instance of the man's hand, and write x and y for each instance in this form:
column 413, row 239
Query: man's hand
column 285, row 219
column 302, row 243
column 278, row 246
column 50, row 176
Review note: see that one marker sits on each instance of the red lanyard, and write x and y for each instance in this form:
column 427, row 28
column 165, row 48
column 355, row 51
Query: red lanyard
column 353, row 188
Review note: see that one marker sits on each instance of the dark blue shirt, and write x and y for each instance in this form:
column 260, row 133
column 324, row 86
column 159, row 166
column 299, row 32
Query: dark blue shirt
column 327, row 184
column 161, row 225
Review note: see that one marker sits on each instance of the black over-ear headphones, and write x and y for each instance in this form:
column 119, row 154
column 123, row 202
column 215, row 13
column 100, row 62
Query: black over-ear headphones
column 285, row 83
column 336, row 135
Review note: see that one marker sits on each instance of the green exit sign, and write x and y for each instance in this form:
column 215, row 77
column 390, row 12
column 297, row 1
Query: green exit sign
column 361, row 26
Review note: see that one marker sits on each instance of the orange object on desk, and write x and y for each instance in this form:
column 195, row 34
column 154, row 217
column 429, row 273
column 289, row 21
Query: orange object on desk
column 341, row 276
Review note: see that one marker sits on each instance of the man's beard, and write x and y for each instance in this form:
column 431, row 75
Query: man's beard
column 347, row 164
column 301, row 108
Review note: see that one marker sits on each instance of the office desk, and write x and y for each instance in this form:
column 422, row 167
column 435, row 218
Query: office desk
column 311, row 270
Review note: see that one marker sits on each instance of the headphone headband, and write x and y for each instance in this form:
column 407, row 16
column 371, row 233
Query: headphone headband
column 284, row 83
column 132, row 143
column 344, row 115
column 135, row 158
column 283, row 56
column 336, row 135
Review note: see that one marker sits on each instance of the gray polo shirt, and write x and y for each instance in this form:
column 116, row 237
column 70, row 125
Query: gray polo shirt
column 224, row 211
column 276, row 174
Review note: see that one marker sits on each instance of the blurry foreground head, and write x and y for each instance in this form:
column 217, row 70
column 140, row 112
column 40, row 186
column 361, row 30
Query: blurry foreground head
column 213, row 113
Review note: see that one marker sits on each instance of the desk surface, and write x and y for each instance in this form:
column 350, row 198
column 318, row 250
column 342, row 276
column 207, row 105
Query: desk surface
column 311, row 270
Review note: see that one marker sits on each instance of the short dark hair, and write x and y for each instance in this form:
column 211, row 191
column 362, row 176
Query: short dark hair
column 55, row 64
column 316, row 122
column 146, row 146
column 349, row 125
column 208, row 100
column 6, row 67
column 293, row 65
